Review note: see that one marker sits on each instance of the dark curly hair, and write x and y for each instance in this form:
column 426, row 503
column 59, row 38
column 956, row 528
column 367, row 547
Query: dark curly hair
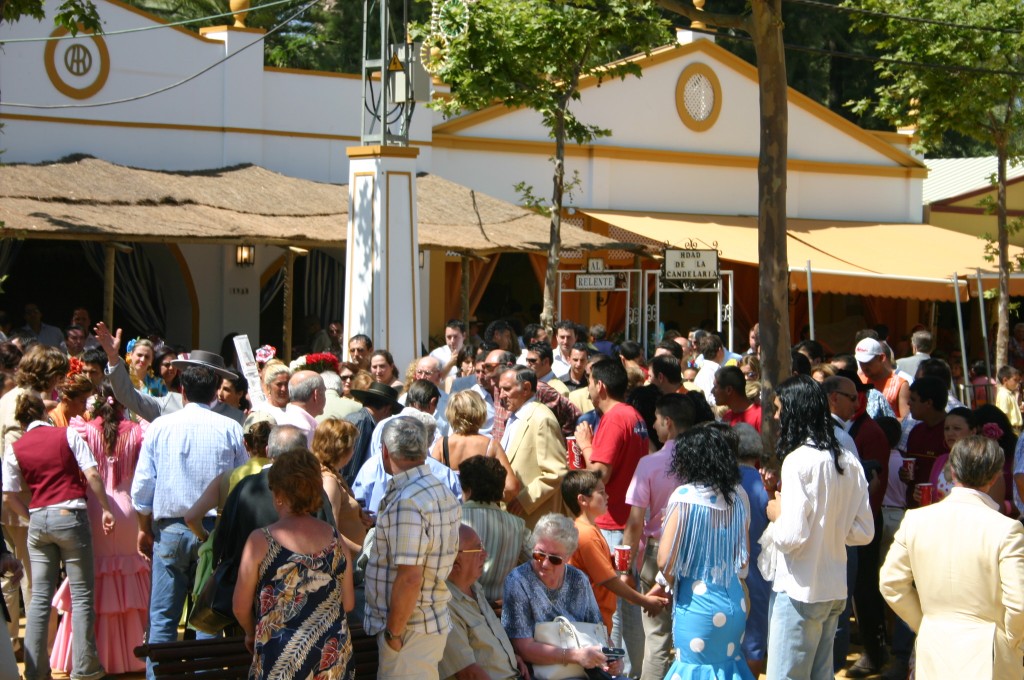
column 704, row 456
column 483, row 478
column 702, row 412
column 804, row 417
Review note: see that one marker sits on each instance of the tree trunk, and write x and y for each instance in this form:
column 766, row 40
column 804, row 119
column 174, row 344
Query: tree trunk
column 547, row 316
column 1003, row 327
column 773, row 299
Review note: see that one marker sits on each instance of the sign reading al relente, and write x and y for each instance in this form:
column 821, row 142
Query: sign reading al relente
column 699, row 265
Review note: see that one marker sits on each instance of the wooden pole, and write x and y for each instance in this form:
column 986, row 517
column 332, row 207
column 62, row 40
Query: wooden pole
column 108, row 284
column 289, row 296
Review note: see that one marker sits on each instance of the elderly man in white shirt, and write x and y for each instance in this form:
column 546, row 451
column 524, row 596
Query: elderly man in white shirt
column 808, row 536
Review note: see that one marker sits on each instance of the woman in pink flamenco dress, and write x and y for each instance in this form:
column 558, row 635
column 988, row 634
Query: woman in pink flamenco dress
column 122, row 575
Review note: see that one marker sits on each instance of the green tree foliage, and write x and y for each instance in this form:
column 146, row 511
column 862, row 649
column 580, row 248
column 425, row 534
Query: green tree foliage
column 72, row 14
column 978, row 96
column 534, row 54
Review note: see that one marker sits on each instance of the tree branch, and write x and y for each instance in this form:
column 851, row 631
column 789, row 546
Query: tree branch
column 686, row 8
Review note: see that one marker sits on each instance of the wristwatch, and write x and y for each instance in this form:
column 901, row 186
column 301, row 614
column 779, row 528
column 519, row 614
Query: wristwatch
column 389, row 636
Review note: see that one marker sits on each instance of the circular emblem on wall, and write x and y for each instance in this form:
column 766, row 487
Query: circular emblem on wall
column 698, row 97
column 77, row 67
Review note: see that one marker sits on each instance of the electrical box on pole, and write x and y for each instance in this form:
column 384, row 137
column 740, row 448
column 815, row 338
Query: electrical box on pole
column 392, row 75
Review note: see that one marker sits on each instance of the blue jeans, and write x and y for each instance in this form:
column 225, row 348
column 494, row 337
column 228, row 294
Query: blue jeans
column 175, row 557
column 55, row 535
column 842, row 643
column 800, row 638
column 627, row 622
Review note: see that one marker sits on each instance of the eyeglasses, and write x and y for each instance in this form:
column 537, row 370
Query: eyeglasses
column 425, row 372
column 346, row 377
column 531, row 361
column 540, row 556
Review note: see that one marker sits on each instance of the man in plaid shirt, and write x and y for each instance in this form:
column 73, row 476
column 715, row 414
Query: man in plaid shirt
column 417, row 538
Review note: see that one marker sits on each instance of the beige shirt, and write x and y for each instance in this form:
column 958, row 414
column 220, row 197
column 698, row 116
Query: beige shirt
column 476, row 636
column 11, row 431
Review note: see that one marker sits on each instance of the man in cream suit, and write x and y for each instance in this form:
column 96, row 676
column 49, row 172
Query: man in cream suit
column 534, row 446
column 955, row 574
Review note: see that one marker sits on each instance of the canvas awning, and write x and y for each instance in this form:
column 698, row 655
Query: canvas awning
column 909, row 261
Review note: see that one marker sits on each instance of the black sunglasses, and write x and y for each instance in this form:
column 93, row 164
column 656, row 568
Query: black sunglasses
column 540, row 556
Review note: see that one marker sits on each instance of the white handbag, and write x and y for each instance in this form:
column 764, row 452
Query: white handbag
column 568, row 635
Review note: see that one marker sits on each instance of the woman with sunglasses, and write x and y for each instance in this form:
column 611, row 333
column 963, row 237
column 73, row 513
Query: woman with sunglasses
column 547, row 587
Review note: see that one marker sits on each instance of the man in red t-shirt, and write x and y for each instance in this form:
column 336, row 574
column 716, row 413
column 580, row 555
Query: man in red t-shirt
column 730, row 390
column 613, row 452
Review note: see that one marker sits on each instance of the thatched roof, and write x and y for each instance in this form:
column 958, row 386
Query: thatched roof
column 87, row 198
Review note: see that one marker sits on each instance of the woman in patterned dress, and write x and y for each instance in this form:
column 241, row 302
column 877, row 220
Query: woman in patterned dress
column 703, row 554
column 295, row 583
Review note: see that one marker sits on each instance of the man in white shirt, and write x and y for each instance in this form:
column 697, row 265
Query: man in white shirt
column 713, row 351
column 565, row 338
column 307, row 397
column 842, row 404
column 44, row 332
column 454, row 339
column 428, row 368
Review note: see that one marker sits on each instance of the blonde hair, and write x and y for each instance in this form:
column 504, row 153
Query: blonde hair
column 466, row 412
column 274, row 368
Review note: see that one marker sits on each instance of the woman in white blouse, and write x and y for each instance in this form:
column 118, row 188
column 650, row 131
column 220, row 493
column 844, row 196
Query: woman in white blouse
column 821, row 508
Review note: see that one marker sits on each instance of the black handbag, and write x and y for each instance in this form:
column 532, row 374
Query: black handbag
column 213, row 611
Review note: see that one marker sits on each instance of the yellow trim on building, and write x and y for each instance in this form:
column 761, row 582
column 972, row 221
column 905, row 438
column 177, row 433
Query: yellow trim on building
column 665, row 156
column 204, row 30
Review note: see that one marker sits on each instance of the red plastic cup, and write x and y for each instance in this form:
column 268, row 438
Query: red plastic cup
column 574, row 455
column 622, row 554
column 927, row 493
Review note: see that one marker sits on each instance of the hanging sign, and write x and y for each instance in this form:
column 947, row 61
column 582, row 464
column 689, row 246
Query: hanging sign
column 699, row 265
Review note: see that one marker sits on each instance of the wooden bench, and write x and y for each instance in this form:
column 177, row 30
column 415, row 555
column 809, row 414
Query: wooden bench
column 228, row 659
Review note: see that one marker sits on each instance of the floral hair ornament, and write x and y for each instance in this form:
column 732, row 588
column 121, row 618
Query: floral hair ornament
column 266, row 353
column 992, row 431
column 319, row 362
column 74, row 366
column 131, row 345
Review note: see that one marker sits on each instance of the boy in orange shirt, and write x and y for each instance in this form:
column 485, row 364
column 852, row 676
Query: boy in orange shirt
column 584, row 496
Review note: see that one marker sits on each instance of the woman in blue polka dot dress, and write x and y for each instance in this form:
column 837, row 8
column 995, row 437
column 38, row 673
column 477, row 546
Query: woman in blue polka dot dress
column 703, row 556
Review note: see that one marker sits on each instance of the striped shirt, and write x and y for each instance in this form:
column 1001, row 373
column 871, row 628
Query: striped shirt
column 418, row 525
column 181, row 454
column 506, row 539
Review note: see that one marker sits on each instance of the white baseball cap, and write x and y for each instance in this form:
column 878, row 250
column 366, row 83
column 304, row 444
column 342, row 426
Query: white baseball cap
column 867, row 349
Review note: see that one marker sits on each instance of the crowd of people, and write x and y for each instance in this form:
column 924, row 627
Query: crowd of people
column 512, row 505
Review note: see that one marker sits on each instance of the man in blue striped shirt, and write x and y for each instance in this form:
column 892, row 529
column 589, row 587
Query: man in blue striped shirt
column 182, row 453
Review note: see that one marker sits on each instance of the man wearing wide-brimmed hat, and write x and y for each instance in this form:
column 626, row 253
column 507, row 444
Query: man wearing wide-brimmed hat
column 147, row 406
column 379, row 401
